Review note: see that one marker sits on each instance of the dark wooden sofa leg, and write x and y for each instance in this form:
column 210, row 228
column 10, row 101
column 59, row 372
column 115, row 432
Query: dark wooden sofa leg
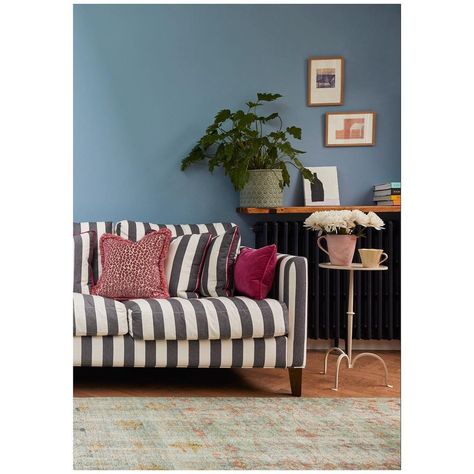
column 296, row 379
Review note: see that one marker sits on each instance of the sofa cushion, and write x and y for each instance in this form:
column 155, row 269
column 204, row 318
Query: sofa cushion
column 134, row 230
column 206, row 318
column 84, row 248
column 218, row 269
column 99, row 228
column 133, row 269
column 98, row 316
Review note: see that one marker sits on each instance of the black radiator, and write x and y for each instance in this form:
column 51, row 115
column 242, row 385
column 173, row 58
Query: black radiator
column 377, row 294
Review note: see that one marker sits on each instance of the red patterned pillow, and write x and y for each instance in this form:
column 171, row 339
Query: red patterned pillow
column 133, row 269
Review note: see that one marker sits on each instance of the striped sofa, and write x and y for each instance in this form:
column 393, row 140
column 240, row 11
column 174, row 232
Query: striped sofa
column 218, row 332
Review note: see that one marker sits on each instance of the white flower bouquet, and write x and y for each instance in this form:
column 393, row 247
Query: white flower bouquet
column 343, row 222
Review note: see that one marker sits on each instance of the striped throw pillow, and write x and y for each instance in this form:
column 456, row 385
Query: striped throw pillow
column 184, row 264
column 217, row 271
column 84, row 246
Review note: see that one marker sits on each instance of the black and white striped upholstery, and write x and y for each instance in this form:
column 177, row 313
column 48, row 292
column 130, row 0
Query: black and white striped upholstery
column 134, row 230
column 217, row 271
column 98, row 316
column 291, row 287
column 125, row 351
column 99, row 228
column 184, row 262
column 206, row 318
column 84, row 247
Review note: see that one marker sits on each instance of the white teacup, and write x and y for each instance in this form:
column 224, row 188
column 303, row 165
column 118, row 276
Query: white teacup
column 371, row 258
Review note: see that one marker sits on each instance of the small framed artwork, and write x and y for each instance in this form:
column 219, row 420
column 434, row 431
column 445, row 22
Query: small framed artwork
column 325, row 81
column 350, row 129
column 325, row 189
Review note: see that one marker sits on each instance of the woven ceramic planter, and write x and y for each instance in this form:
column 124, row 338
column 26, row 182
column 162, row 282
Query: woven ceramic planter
column 262, row 189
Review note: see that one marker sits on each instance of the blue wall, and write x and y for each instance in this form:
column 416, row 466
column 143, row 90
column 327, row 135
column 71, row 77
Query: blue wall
column 148, row 79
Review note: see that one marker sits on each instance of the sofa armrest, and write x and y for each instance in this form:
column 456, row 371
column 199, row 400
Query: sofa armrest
column 291, row 287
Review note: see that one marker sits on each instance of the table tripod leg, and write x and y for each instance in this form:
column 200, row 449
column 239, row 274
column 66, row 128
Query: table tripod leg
column 339, row 360
column 371, row 354
column 325, row 371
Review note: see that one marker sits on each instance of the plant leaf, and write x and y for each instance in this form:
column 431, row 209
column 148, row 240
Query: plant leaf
column 207, row 140
column 252, row 105
column 267, row 97
column 236, row 116
column 247, row 119
column 195, row 155
column 295, row 132
column 277, row 135
column 222, row 116
column 285, row 175
column 307, row 174
column 286, row 149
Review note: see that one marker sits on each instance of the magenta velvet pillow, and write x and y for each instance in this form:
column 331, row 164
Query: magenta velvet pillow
column 133, row 269
column 254, row 271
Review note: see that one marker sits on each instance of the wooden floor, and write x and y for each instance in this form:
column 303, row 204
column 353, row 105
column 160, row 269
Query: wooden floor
column 365, row 380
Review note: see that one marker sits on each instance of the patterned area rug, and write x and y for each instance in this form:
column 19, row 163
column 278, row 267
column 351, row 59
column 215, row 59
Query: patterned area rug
column 236, row 433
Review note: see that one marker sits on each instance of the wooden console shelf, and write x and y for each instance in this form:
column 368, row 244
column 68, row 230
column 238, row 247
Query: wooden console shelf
column 310, row 209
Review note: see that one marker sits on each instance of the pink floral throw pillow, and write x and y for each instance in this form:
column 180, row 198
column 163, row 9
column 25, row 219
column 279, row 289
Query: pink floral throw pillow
column 133, row 269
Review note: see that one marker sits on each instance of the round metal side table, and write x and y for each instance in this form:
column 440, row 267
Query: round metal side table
column 350, row 316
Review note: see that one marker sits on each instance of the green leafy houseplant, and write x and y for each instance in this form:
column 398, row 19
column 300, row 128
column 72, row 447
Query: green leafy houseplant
column 242, row 141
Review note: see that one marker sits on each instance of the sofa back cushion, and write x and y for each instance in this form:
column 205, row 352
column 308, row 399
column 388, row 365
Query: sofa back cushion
column 99, row 228
column 134, row 230
column 84, row 248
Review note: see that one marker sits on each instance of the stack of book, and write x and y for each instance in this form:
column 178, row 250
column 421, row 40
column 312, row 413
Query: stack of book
column 388, row 194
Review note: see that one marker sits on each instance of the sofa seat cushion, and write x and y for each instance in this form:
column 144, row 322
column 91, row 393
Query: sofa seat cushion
column 206, row 318
column 98, row 316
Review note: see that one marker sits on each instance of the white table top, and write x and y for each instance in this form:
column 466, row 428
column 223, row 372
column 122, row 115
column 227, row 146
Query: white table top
column 352, row 266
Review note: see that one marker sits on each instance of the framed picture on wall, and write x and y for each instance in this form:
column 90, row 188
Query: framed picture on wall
column 325, row 81
column 350, row 129
column 325, row 189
